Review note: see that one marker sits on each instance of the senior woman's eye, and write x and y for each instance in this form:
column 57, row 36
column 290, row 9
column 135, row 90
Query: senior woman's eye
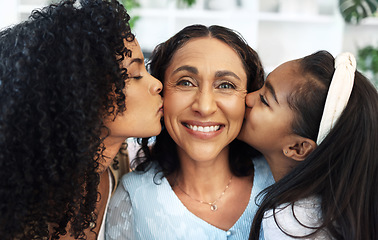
column 227, row 85
column 185, row 83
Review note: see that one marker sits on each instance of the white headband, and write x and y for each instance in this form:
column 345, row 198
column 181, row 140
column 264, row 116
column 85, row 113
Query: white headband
column 338, row 93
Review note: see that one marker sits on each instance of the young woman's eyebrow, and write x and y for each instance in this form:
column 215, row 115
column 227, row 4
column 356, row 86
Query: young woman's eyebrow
column 187, row 68
column 136, row 60
column 226, row 73
column 271, row 90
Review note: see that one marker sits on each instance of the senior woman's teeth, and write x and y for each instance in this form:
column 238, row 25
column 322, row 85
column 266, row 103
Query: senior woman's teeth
column 204, row 129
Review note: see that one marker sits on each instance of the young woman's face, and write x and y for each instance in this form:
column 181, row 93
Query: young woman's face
column 268, row 117
column 143, row 102
column 204, row 97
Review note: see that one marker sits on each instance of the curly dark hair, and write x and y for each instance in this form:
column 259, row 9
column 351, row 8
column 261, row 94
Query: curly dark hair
column 343, row 169
column 60, row 75
column 164, row 150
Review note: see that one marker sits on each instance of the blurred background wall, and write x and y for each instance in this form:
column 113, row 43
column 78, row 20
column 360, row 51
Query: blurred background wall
column 279, row 30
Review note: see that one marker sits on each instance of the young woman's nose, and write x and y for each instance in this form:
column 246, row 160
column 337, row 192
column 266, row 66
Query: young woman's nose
column 156, row 86
column 250, row 99
column 205, row 103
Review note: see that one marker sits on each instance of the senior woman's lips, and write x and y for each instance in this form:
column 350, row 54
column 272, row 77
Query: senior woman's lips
column 203, row 130
column 161, row 109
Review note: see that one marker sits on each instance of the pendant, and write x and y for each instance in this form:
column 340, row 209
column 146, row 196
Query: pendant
column 213, row 207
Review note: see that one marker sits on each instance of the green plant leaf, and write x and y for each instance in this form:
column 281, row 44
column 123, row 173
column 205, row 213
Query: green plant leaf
column 367, row 62
column 189, row 3
column 355, row 10
column 129, row 5
column 133, row 20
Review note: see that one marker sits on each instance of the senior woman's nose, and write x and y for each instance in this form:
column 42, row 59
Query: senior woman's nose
column 204, row 103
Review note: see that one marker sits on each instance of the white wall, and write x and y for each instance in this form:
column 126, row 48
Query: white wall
column 8, row 13
column 15, row 11
column 277, row 30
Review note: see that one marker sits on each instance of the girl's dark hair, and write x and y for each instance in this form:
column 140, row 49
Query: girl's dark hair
column 342, row 170
column 164, row 150
column 60, row 76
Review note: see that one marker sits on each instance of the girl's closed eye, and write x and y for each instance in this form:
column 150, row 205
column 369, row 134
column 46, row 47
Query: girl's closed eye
column 263, row 100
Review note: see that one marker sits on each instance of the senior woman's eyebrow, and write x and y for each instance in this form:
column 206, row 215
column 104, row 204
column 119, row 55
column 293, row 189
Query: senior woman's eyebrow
column 226, row 73
column 187, row 68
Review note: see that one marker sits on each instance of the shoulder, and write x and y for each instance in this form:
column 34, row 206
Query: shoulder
column 305, row 210
column 261, row 164
column 263, row 174
column 296, row 219
column 137, row 181
column 141, row 176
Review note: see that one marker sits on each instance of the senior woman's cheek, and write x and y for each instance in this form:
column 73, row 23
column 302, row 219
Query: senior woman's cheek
column 234, row 105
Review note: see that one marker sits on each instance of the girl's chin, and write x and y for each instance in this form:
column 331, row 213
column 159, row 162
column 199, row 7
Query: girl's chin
column 242, row 136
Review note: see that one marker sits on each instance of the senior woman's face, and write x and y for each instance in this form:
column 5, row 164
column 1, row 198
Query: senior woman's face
column 204, row 97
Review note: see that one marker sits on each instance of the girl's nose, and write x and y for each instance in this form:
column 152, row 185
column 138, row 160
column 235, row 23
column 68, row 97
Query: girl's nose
column 250, row 99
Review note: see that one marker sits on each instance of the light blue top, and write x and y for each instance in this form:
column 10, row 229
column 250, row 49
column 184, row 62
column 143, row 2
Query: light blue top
column 144, row 206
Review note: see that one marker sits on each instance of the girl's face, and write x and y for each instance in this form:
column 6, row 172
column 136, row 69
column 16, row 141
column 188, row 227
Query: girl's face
column 143, row 102
column 268, row 117
column 204, row 97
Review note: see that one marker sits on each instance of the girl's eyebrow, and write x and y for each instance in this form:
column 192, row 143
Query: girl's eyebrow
column 270, row 88
column 188, row 68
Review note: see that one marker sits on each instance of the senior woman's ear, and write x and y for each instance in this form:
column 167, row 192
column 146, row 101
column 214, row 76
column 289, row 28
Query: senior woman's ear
column 299, row 149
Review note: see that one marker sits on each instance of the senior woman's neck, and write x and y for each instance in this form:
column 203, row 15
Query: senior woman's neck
column 205, row 173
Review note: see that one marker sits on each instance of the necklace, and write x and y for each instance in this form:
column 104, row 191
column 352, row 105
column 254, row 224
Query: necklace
column 213, row 206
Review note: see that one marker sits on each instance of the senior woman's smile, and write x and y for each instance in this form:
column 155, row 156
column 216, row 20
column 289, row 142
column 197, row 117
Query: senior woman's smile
column 204, row 107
